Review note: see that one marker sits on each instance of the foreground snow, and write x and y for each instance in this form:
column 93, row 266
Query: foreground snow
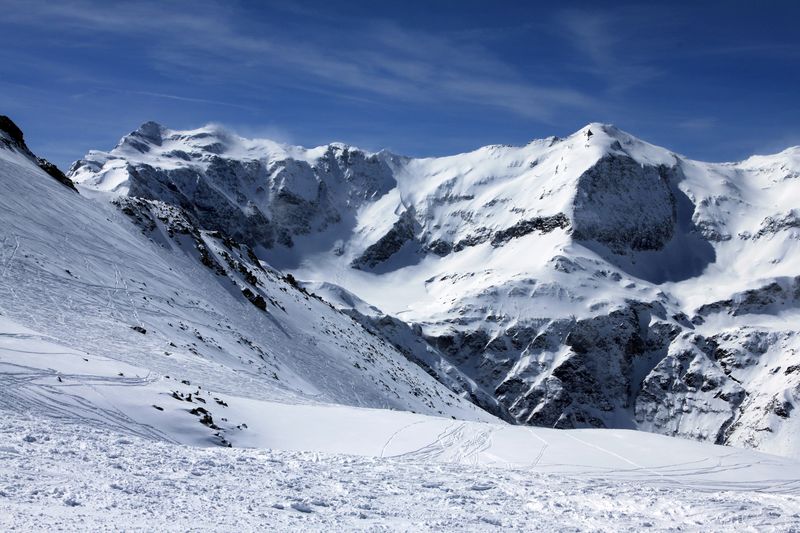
column 91, row 443
column 55, row 475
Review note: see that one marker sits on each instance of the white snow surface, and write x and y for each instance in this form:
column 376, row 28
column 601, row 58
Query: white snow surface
column 79, row 270
column 84, row 447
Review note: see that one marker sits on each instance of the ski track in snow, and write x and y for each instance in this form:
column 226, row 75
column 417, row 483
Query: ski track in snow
column 613, row 454
column 22, row 394
column 395, row 434
column 545, row 444
column 13, row 254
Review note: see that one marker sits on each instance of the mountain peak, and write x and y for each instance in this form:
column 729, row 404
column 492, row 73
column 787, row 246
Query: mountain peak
column 602, row 127
column 595, row 131
column 608, row 138
column 151, row 131
column 140, row 139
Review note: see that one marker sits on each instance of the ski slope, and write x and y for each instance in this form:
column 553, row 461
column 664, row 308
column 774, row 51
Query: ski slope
column 55, row 476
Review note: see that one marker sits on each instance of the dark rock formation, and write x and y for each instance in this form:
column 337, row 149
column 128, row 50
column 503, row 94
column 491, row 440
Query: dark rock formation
column 401, row 232
column 14, row 139
column 624, row 205
column 524, row 227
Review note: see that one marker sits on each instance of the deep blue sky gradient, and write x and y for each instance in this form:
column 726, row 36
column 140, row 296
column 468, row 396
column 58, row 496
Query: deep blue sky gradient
column 716, row 82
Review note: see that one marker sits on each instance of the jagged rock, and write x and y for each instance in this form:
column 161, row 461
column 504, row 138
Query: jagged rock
column 15, row 134
column 780, row 293
column 524, row 227
column 255, row 299
column 774, row 224
column 687, row 394
column 401, row 233
column 12, row 137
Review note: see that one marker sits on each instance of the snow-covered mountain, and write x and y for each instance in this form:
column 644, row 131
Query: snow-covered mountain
column 155, row 320
column 137, row 283
column 589, row 281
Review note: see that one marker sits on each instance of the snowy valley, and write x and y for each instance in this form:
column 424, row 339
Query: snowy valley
column 207, row 331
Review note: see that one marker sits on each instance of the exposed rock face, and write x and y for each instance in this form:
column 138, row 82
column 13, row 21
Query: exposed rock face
column 717, row 388
column 407, row 229
column 524, row 227
column 567, row 373
column 265, row 199
column 207, row 204
column 774, row 224
column 14, row 134
column 403, row 231
column 780, row 294
column 411, row 343
column 12, row 137
column 624, row 205
column 688, row 394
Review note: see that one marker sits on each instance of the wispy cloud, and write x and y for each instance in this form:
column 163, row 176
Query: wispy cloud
column 207, row 42
column 699, row 124
column 189, row 99
column 600, row 38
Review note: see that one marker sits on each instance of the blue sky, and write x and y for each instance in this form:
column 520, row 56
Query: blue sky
column 715, row 82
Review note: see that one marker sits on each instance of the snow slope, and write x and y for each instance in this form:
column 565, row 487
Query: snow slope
column 100, row 443
column 588, row 281
column 43, row 379
column 52, row 477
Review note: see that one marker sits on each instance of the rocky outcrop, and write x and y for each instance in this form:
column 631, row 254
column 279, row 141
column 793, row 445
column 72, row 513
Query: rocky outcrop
column 524, row 227
column 410, row 342
column 207, row 205
column 12, row 138
column 688, row 393
column 624, row 205
column 402, row 232
column 172, row 227
column 564, row 373
column 774, row 224
column 14, row 135
column 778, row 295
